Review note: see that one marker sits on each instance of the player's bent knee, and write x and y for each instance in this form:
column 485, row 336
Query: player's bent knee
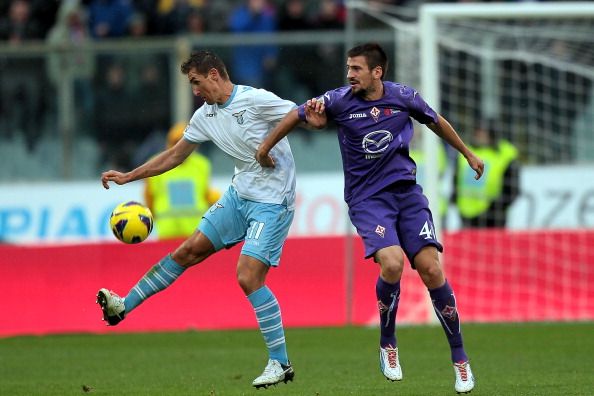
column 248, row 282
column 194, row 250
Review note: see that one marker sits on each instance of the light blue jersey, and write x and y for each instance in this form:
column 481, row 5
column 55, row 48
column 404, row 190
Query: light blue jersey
column 238, row 127
column 258, row 208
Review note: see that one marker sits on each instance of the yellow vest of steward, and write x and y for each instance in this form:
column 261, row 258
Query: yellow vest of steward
column 474, row 197
column 179, row 197
column 419, row 157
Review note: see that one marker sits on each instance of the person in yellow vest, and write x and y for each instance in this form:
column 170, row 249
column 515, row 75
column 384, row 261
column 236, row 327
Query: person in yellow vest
column 418, row 155
column 484, row 203
column 179, row 197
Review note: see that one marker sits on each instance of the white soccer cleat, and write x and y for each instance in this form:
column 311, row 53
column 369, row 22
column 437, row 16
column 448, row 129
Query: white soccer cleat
column 464, row 377
column 389, row 363
column 112, row 306
column 274, row 372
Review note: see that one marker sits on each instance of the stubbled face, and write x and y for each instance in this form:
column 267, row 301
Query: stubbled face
column 358, row 75
column 204, row 86
column 364, row 82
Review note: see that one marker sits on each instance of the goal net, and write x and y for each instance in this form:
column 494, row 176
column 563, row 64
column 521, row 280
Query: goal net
column 520, row 75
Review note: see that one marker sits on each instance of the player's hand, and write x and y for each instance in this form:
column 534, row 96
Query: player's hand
column 477, row 164
column 315, row 113
column 114, row 176
column 264, row 158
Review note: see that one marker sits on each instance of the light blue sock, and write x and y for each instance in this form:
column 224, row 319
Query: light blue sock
column 271, row 325
column 158, row 278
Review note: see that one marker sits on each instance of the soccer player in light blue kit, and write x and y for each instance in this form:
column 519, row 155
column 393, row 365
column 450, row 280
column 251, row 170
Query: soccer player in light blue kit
column 386, row 205
column 257, row 208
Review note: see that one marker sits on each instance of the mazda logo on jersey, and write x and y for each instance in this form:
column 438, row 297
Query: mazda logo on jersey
column 376, row 142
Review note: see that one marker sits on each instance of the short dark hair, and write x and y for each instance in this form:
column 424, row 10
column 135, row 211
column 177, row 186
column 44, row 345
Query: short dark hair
column 203, row 61
column 374, row 55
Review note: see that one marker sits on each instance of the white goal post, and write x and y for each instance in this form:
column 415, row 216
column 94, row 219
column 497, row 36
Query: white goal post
column 429, row 17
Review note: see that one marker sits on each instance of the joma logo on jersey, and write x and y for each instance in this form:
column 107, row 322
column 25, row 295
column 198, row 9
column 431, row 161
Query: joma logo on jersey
column 211, row 114
column 357, row 115
column 239, row 116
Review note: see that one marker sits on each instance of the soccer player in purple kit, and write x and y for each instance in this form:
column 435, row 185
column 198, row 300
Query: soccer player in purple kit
column 386, row 204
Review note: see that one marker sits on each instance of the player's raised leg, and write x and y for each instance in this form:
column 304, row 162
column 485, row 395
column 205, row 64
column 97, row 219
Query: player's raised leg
column 115, row 308
column 158, row 278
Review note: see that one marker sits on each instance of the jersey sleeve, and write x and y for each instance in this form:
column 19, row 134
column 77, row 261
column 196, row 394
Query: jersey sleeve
column 270, row 107
column 419, row 109
column 195, row 130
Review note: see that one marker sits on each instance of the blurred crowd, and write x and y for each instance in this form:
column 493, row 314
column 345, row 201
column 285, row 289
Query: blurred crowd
column 34, row 19
column 111, row 91
column 123, row 100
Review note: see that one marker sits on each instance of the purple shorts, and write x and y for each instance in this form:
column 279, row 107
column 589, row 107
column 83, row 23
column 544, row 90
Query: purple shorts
column 397, row 215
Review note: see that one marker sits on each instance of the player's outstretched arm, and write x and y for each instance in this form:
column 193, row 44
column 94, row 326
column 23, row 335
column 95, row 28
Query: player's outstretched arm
column 161, row 163
column 315, row 116
column 282, row 129
column 444, row 130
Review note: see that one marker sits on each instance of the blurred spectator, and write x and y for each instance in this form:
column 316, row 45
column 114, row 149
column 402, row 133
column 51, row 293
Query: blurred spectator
column 109, row 18
column 152, row 93
column 24, row 105
column 295, row 77
column 173, row 15
column 293, row 16
column 66, row 38
column 114, row 119
column 179, row 197
column 252, row 65
column 44, row 13
column 147, row 8
column 18, row 25
column 330, row 15
column 195, row 23
column 484, row 202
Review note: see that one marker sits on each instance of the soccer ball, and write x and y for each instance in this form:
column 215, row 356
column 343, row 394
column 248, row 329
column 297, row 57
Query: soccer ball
column 131, row 222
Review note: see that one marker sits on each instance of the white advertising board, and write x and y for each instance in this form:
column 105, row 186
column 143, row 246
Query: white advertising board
column 552, row 197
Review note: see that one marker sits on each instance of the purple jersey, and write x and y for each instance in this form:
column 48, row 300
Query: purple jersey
column 374, row 136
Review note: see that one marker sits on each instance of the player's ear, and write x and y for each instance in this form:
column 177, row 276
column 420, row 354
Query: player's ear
column 214, row 74
column 378, row 72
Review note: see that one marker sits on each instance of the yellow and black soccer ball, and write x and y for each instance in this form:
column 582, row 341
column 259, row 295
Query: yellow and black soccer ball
column 131, row 222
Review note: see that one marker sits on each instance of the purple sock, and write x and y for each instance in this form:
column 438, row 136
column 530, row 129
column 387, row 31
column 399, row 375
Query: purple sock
column 387, row 301
column 444, row 303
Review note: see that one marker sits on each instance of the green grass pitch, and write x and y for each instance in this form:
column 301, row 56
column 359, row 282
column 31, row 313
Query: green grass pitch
column 511, row 359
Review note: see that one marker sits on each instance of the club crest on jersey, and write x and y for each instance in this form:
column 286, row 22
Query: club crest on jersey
column 381, row 231
column 375, row 113
column 239, row 117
